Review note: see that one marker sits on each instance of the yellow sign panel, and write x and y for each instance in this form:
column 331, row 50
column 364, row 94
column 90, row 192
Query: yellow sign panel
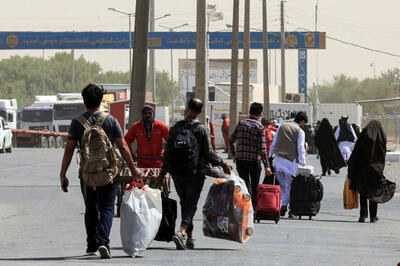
column 309, row 40
column 12, row 41
column 291, row 40
column 154, row 42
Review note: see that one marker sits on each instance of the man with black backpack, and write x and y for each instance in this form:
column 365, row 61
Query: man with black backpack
column 187, row 152
column 95, row 133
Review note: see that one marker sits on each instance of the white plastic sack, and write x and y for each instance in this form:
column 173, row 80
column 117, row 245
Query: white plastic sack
column 141, row 213
column 305, row 170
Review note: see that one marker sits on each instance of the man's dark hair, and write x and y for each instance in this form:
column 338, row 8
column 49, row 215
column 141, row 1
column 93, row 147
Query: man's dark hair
column 195, row 105
column 92, row 95
column 301, row 116
column 256, row 109
column 265, row 121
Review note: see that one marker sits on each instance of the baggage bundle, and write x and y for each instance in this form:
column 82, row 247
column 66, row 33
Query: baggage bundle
column 350, row 197
column 305, row 196
column 227, row 211
column 268, row 202
column 168, row 220
column 141, row 213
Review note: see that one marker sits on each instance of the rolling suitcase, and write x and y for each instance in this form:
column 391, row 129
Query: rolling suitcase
column 305, row 196
column 268, row 202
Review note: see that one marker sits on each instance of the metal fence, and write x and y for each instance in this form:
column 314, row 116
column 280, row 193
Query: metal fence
column 391, row 125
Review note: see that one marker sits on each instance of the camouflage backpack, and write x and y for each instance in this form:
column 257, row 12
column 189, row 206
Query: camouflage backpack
column 100, row 162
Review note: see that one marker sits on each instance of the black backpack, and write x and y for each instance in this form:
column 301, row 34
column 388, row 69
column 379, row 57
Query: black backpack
column 184, row 154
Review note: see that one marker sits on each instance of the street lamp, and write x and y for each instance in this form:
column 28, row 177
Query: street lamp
column 130, row 38
column 171, row 29
column 373, row 65
column 129, row 14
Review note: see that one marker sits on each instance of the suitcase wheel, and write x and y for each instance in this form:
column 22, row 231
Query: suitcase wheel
column 258, row 221
column 276, row 218
column 309, row 217
column 299, row 217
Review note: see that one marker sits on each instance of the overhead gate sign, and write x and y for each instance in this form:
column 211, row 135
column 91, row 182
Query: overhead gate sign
column 157, row 40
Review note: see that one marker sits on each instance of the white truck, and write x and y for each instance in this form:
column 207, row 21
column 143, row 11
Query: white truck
column 8, row 111
column 278, row 111
column 45, row 124
column 334, row 111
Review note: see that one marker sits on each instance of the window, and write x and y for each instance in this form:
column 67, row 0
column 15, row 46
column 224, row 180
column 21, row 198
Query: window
column 10, row 117
column 211, row 94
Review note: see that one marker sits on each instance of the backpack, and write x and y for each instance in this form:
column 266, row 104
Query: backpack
column 99, row 163
column 184, row 154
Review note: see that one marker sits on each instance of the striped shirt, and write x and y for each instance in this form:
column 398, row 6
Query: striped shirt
column 251, row 144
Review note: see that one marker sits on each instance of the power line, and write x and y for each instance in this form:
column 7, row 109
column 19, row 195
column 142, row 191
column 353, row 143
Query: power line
column 355, row 45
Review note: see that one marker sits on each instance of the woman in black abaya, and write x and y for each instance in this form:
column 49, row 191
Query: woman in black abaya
column 365, row 170
column 329, row 153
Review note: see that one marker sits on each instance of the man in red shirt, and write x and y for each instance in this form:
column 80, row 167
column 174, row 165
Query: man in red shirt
column 225, row 130
column 149, row 134
column 268, row 132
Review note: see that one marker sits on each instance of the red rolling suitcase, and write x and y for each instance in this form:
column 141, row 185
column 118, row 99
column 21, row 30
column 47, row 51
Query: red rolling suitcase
column 268, row 203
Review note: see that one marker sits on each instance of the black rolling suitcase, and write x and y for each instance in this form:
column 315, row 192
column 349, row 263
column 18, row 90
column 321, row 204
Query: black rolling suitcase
column 305, row 196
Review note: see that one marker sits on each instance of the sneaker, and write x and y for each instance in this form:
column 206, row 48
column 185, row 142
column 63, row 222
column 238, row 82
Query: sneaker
column 190, row 243
column 91, row 251
column 104, row 252
column 180, row 240
column 374, row 219
column 283, row 210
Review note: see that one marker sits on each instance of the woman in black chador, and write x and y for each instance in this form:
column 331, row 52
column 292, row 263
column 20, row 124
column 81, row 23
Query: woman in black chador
column 328, row 150
column 365, row 170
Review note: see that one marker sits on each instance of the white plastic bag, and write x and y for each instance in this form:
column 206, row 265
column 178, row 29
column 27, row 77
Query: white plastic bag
column 141, row 213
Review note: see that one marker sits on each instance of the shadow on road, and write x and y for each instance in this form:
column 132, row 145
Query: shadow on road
column 81, row 257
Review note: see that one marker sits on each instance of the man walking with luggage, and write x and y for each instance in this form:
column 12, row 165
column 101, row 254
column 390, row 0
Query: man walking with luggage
column 99, row 200
column 251, row 148
column 188, row 150
column 149, row 134
column 288, row 147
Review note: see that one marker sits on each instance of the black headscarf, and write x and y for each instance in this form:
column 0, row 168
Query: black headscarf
column 367, row 162
column 148, row 122
column 345, row 133
column 327, row 147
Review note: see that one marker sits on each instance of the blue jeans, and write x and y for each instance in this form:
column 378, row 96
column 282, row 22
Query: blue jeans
column 99, row 213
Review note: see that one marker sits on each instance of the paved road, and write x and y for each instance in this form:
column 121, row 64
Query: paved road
column 41, row 225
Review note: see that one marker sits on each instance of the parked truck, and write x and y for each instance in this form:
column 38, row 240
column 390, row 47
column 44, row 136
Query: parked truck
column 8, row 111
column 333, row 112
column 45, row 124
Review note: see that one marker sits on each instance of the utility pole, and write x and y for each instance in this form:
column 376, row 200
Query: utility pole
column 201, row 85
column 233, row 114
column 73, row 69
column 151, row 54
column 316, row 50
column 139, row 62
column 283, row 76
column 246, row 59
column 44, row 74
column 173, row 87
column 265, row 60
